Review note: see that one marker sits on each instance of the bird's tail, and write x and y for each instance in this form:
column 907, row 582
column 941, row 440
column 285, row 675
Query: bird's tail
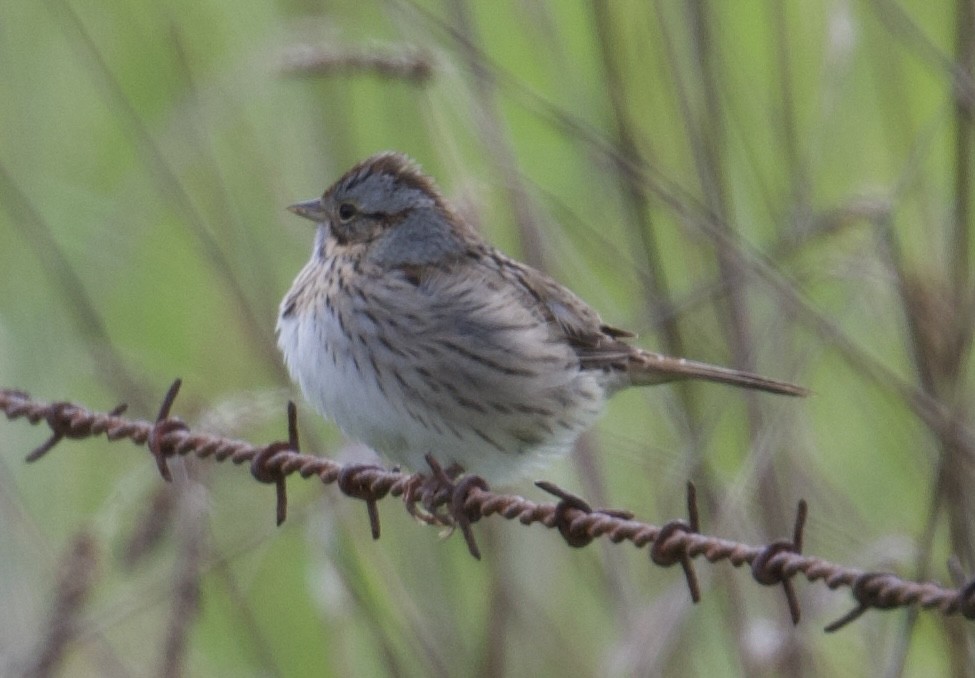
column 645, row 368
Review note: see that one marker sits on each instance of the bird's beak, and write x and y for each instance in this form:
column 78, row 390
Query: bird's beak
column 310, row 209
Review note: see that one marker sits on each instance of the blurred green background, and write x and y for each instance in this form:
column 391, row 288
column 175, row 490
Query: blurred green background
column 780, row 186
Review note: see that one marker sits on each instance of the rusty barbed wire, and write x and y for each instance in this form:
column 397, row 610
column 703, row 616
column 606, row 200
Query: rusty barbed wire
column 447, row 498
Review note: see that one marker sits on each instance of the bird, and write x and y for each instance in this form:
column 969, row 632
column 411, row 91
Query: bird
column 417, row 337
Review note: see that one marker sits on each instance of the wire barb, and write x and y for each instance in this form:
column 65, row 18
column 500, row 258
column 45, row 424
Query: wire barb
column 667, row 551
column 356, row 480
column 163, row 426
column 462, row 502
column 63, row 424
column 770, row 568
column 572, row 515
column 264, row 472
column 465, row 517
column 574, row 534
column 868, row 590
column 443, row 483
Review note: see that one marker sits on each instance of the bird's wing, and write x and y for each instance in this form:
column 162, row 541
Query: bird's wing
column 596, row 343
column 510, row 309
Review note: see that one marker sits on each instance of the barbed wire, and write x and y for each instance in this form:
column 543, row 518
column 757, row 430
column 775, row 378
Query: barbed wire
column 445, row 497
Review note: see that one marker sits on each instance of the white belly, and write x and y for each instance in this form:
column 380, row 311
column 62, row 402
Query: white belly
column 341, row 389
column 439, row 401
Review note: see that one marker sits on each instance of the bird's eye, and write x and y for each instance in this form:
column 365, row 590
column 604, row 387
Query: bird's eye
column 346, row 211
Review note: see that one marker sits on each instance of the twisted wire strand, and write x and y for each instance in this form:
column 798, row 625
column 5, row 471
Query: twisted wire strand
column 437, row 499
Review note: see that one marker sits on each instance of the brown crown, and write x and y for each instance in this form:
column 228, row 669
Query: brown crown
column 400, row 166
